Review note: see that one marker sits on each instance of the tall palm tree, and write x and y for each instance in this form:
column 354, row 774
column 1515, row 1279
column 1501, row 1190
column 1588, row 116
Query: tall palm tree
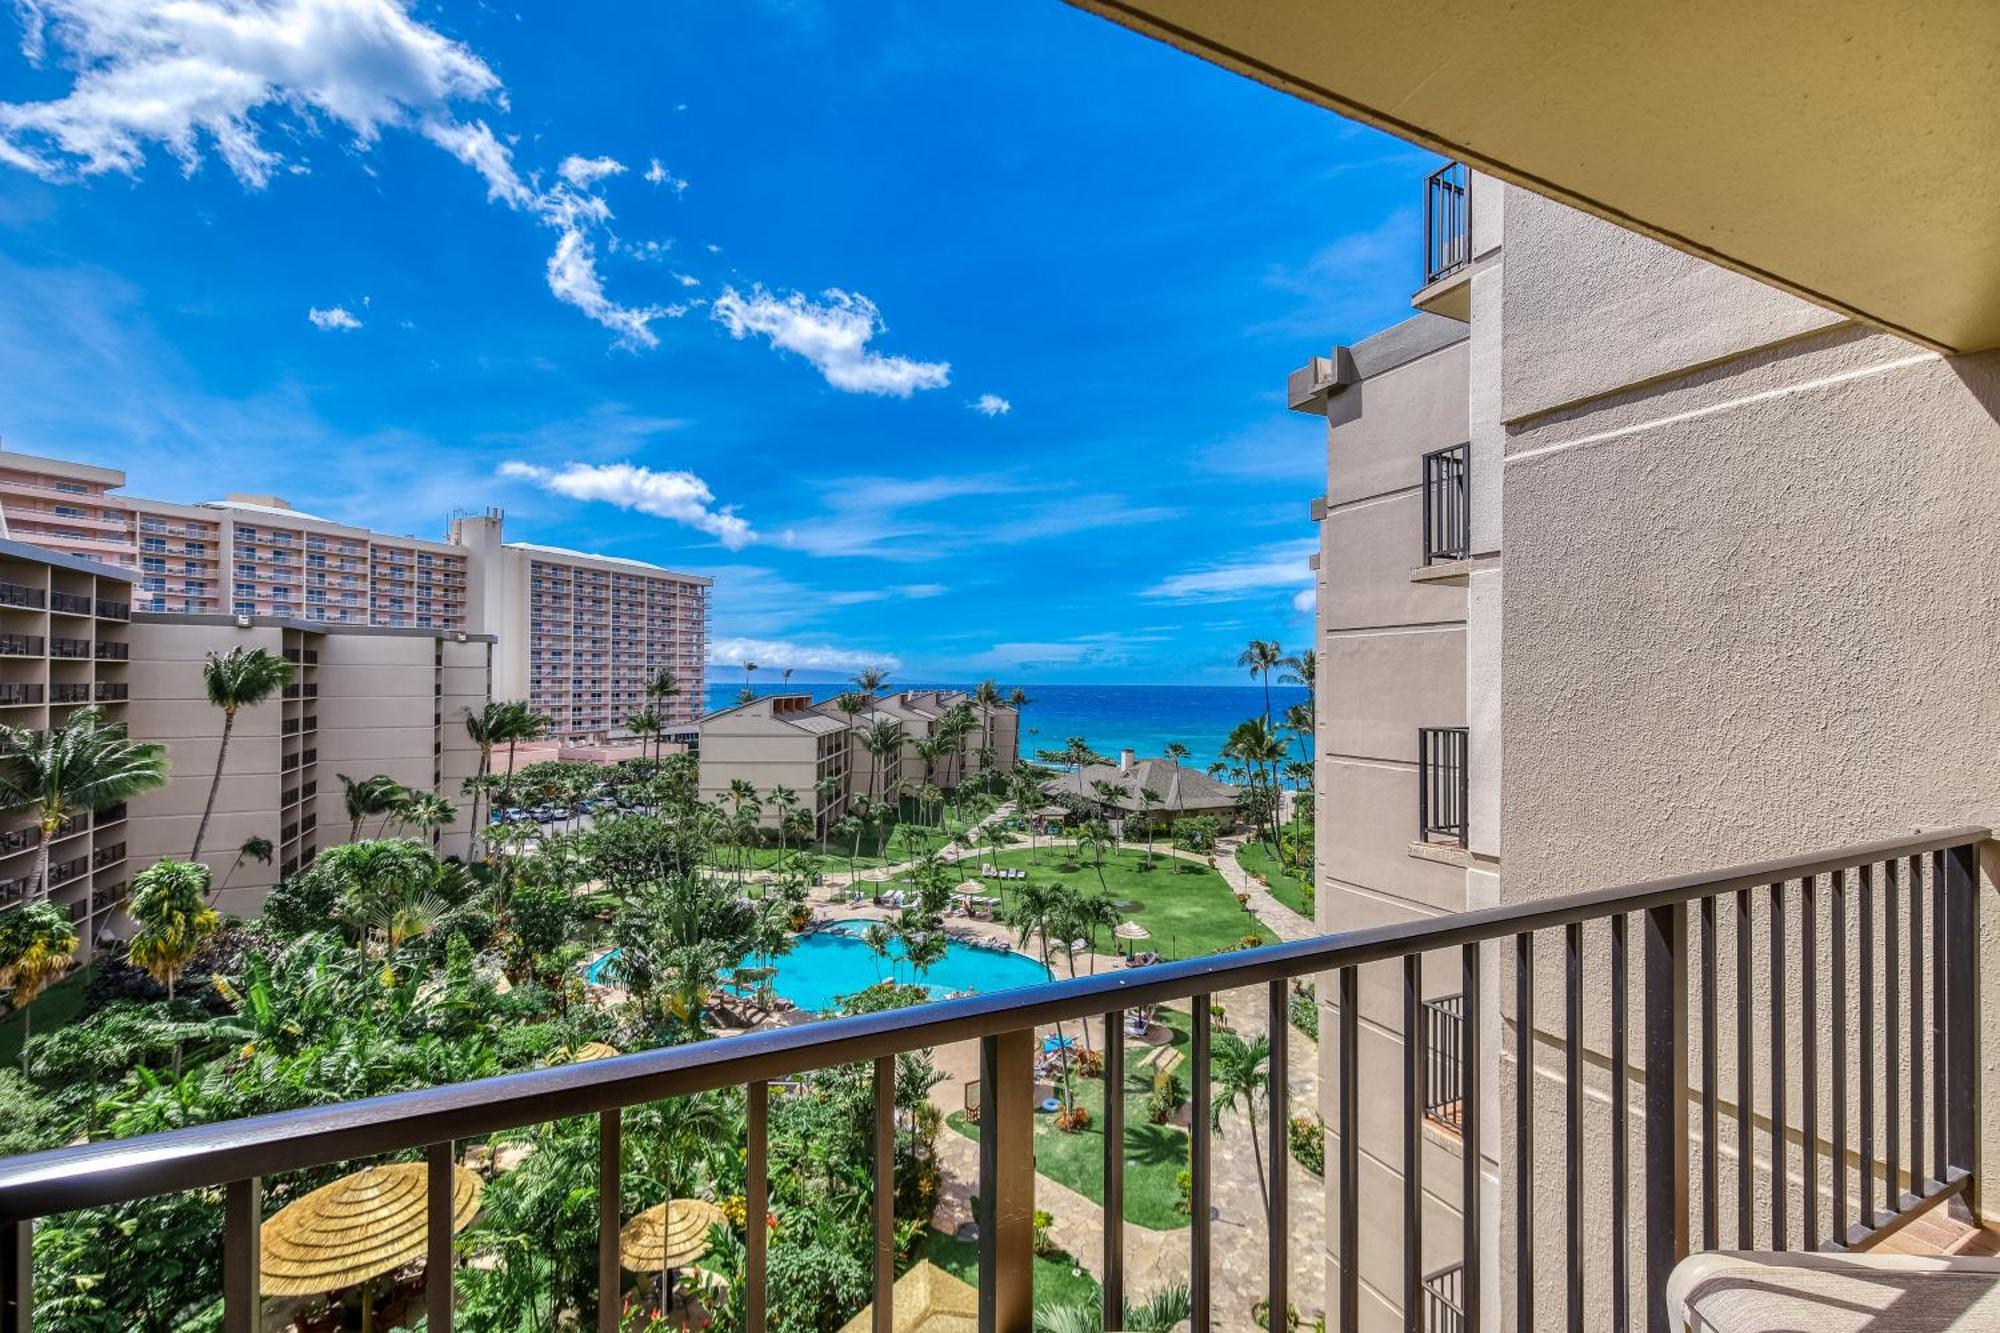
column 883, row 738
column 520, row 722
column 643, row 724
column 662, row 689
column 83, row 765
column 238, row 679
column 1262, row 657
column 37, row 945
column 1148, row 798
column 1177, row 755
column 989, row 697
column 368, row 797
column 254, row 848
column 871, row 680
column 786, row 802
column 1241, row 1070
column 426, row 811
column 486, row 729
column 1260, row 749
column 749, row 670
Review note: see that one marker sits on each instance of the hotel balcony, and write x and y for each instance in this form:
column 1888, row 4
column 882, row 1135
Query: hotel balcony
column 1809, row 1095
column 1447, row 290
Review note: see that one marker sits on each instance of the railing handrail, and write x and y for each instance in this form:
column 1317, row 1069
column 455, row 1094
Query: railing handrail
column 202, row 1156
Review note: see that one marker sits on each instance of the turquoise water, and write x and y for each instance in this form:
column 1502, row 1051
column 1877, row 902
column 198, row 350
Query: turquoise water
column 832, row 962
column 1110, row 717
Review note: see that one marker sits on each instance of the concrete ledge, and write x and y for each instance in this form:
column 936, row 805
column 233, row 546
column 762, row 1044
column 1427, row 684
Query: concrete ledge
column 1457, row 572
column 1442, row 853
column 1450, row 296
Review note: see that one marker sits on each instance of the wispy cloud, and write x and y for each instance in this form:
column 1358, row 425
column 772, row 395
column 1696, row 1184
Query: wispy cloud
column 333, row 319
column 1288, row 448
column 1304, row 599
column 902, row 591
column 584, row 172
column 679, row 496
column 781, row 653
column 1353, row 286
column 573, row 279
column 833, row 335
column 657, row 174
column 1269, row 569
column 991, row 405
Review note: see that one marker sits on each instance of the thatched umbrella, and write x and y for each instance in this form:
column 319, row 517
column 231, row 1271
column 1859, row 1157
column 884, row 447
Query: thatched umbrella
column 584, row 1054
column 1131, row 930
column 672, row 1235
column 361, row 1226
column 669, row 1236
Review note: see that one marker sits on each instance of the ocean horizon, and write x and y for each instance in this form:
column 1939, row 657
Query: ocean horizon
column 1142, row 718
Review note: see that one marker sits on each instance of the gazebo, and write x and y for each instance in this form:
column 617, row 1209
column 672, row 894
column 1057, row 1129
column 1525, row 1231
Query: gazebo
column 927, row 1300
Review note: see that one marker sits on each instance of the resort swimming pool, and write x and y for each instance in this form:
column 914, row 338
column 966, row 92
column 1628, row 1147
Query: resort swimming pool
column 832, row 962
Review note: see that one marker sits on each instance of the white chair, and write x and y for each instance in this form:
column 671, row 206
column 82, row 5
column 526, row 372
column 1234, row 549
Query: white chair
column 1747, row 1291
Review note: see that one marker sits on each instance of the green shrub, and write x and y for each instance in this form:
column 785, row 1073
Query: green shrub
column 1307, row 1135
column 1169, row 1094
column 1303, row 1008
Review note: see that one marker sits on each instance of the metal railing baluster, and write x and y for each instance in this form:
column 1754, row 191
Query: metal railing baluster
column 756, row 1203
column 1917, row 1027
column 1746, row 1147
column 1780, row 1183
column 1892, row 1033
column 1278, row 1104
column 1621, row 1240
column 1809, row 1055
column 1113, row 1283
column 1413, row 1134
column 1469, row 1090
column 1201, row 1235
column 1524, row 1132
column 242, row 1257
column 610, row 1165
column 1865, row 1084
column 1837, row 940
column 1348, row 1120
column 1573, row 1123
column 885, row 1194
column 1711, row 1142
column 1007, row 1181
column 1666, row 1036
column 440, row 1187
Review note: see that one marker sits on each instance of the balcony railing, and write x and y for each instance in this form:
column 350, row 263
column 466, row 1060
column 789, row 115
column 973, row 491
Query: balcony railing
column 113, row 652
column 1833, row 1005
column 1447, row 490
column 17, row 692
column 1444, row 1062
column 1442, row 791
column 113, row 610
column 16, row 594
column 70, row 603
column 1447, row 222
column 113, row 691
column 21, row 645
column 69, row 648
column 70, row 692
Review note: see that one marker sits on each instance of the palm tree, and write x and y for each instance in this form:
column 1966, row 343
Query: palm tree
column 238, row 679
column 749, row 670
column 1177, row 754
column 83, row 765
column 786, row 802
column 368, row 797
column 1148, row 798
column 871, row 680
column 1026, row 793
column 520, row 722
column 643, row 724
column 254, row 848
column 1262, row 657
column 661, row 689
column 1303, row 669
column 988, row 695
column 1241, row 1071
column 878, row 938
column 486, row 729
column 883, row 738
column 37, row 945
column 426, row 811
column 1259, row 748
column 170, row 905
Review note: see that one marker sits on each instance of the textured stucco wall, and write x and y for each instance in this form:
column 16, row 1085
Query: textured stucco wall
column 1592, row 308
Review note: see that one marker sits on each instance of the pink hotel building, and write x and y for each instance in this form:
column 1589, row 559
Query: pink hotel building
column 578, row 635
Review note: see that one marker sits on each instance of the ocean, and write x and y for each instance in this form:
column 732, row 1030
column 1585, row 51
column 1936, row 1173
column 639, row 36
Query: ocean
column 1144, row 718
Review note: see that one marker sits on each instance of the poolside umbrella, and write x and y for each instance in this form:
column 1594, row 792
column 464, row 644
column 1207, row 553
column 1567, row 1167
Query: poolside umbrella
column 669, row 1236
column 1131, row 930
column 361, row 1226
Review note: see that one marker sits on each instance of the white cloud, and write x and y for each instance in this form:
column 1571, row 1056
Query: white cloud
column 477, row 147
column 584, row 172
column 209, row 75
column 573, row 278
column 1274, row 567
column 1304, row 600
column 658, row 174
column 991, row 405
column 833, row 336
column 908, row 591
column 333, row 318
column 779, row 654
column 687, row 279
column 680, row 496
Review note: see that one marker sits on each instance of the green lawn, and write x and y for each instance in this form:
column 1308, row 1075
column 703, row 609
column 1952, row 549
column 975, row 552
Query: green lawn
column 1187, row 907
column 1286, row 887
column 1154, row 1154
column 833, row 856
column 1059, row 1279
column 52, row 1009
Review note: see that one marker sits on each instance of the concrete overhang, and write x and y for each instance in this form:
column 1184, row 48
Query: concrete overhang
column 1842, row 151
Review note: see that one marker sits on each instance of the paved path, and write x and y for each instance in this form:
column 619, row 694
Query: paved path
column 1285, row 923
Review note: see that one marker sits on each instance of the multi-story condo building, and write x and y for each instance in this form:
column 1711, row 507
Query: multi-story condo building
column 364, row 700
column 578, row 635
column 581, row 636
column 1699, row 561
column 819, row 750
column 65, row 644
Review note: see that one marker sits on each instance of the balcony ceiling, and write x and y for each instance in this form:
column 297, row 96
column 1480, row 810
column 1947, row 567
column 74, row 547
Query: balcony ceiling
column 1843, row 150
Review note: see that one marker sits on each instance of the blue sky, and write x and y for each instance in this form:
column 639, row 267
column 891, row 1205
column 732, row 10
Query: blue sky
column 947, row 337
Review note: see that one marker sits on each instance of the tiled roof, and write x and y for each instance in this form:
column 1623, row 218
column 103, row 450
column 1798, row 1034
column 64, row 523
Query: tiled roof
column 1180, row 788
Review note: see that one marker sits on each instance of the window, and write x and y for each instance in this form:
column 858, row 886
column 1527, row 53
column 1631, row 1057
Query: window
column 72, row 488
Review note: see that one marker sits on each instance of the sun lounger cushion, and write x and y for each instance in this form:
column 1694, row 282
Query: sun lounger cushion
column 1736, row 1291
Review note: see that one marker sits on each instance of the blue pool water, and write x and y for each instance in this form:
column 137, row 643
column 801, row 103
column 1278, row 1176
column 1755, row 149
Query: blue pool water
column 832, row 962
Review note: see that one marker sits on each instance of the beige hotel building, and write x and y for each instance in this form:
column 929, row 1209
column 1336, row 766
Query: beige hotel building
column 577, row 635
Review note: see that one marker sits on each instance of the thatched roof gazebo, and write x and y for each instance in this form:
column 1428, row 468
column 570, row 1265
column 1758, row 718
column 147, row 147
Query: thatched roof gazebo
column 671, row 1235
column 358, row 1228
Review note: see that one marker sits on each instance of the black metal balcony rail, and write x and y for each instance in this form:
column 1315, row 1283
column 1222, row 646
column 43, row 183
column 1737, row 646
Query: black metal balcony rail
column 16, row 889
column 1444, row 1300
column 1447, row 492
column 113, row 691
column 110, row 814
column 1444, row 1062
column 70, row 603
column 105, row 856
column 20, row 692
column 21, row 645
column 70, row 692
column 19, row 594
column 1447, row 222
column 1442, row 784
column 110, row 651
column 17, row 840
column 1881, row 884
column 70, row 648
column 108, row 609
column 65, row 871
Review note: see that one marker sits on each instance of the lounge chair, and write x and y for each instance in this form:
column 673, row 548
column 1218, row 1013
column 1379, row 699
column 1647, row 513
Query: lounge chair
column 1146, row 959
column 1724, row 1291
